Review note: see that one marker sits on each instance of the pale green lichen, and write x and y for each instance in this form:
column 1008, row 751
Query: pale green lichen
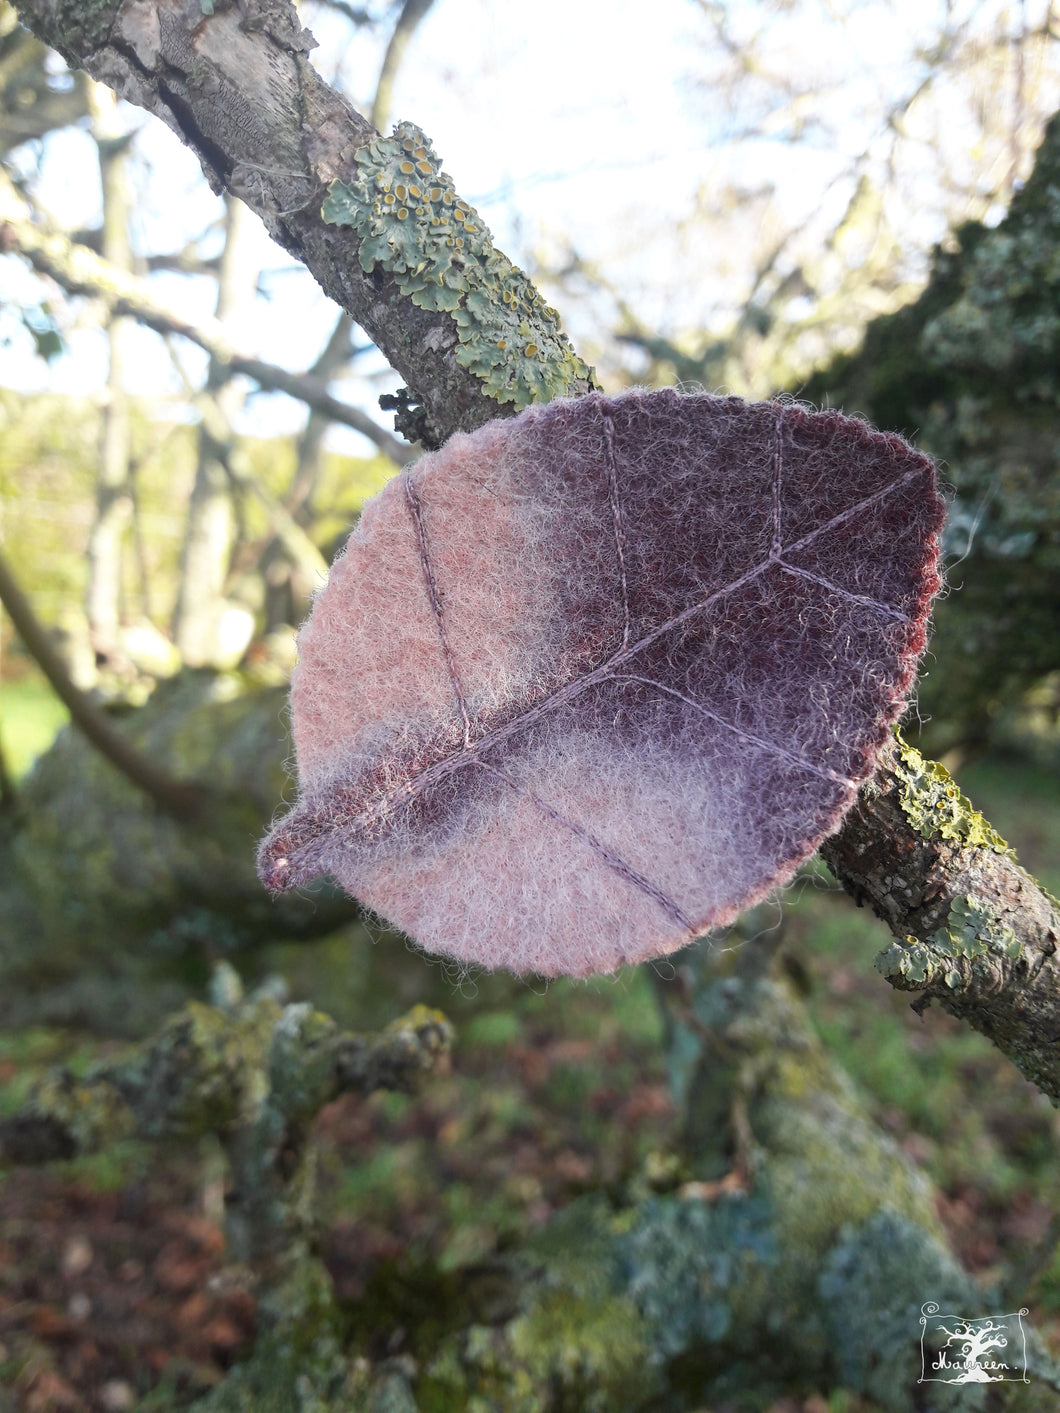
column 412, row 224
column 869, row 1288
column 935, row 807
column 972, row 930
column 579, row 1340
column 93, row 1116
column 910, row 959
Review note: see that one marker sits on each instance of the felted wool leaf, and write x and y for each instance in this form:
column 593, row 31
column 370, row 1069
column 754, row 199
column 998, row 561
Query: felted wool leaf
column 591, row 680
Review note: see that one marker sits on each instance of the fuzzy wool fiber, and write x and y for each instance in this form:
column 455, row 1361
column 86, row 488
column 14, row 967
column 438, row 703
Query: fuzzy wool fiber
column 591, row 680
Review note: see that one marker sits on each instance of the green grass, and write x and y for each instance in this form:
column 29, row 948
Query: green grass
column 31, row 716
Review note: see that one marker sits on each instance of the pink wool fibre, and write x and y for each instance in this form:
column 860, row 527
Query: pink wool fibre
column 591, row 680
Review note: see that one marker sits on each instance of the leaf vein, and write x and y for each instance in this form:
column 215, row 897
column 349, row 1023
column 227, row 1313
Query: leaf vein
column 472, row 751
column 824, row 771
column 844, row 593
column 415, row 508
column 613, row 860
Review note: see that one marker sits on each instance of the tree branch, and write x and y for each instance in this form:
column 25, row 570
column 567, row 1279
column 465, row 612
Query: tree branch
column 80, row 271
column 973, row 930
column 412, row 12
column 179, row 798
column 212, row 1071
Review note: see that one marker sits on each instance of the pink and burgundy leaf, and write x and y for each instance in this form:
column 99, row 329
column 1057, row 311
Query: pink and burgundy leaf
column 591, row 680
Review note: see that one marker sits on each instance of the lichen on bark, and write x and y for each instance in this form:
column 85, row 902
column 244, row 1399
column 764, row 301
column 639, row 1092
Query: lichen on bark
column 972, row 929
column 808, row 1272
column 75, row 30
column 255, row 1073
column 934, row 805
column 411, row 223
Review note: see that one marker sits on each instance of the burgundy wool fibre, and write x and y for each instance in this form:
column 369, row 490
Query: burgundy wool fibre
column 591, row 680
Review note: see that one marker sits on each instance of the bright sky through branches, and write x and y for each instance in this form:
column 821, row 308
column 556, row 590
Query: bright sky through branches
column 641, row 144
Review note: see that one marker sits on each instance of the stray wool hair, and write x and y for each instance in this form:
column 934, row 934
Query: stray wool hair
column 589, row 681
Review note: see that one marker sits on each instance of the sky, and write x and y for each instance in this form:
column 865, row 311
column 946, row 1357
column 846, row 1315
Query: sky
column 598, row 125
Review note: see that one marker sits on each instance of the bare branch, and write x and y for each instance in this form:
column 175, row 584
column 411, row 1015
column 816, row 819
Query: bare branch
column 176, row 797
column 80, row 271
column 412, row 12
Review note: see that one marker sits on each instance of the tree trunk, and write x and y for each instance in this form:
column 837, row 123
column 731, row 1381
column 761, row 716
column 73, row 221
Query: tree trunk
column 201, row 619
column 114, row 503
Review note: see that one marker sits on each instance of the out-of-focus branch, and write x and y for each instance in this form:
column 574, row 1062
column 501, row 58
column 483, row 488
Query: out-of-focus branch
column 283, row 526
column 31, row 103
column 214, row 1071
column 177, row 797
column 412, row 12
column 80, row 271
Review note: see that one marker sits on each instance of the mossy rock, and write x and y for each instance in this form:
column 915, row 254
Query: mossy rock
column 105, row 898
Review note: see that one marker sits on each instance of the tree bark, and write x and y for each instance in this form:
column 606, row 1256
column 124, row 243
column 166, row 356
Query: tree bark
column 973, row 930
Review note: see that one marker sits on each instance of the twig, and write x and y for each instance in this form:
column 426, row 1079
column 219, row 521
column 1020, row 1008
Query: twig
column 80, row 271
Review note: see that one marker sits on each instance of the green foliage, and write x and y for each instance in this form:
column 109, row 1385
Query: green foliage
column 1021, row 798
column 412, row 224
column 491, row 1028
column 971, row 369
